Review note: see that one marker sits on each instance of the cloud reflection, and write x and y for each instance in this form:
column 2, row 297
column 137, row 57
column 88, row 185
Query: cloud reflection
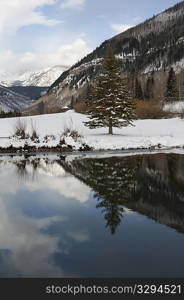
column 25, row 239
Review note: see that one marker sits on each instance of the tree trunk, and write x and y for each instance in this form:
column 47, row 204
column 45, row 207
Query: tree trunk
column 110, row 127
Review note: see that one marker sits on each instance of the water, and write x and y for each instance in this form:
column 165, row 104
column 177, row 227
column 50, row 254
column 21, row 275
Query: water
column 92, row 217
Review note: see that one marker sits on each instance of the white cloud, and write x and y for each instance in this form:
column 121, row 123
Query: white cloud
column 118, row 28
column 12, row 64
column 15, row 14
column 48, row 51
column 72, row 4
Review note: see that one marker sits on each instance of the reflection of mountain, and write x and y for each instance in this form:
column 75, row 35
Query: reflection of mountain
column 160, row 189
column 150, row 184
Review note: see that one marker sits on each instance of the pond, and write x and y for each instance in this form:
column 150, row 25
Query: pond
column 92, row 216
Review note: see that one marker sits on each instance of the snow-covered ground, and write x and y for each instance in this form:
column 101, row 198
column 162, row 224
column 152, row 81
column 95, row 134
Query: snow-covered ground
column 175, row 107
column 162, row 133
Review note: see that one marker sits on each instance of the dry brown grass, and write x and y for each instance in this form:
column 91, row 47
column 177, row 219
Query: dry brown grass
column 55, row 110
column 81, row 107
column 150, row 110
column 181, row 114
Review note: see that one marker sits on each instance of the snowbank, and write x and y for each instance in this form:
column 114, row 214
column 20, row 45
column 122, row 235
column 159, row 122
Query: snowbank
column 175, row 107
column 164, row 133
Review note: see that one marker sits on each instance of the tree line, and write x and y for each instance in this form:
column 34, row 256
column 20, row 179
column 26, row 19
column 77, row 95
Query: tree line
column 172, row 88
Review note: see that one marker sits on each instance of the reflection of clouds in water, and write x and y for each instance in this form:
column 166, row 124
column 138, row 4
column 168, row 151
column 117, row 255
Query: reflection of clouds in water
column 61, row 182
column 82, row 236
column 52, row 170
column 8, row 180
column 70, row 187
column 30, row 246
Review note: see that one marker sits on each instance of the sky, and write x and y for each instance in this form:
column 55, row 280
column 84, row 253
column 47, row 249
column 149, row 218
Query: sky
column 37, row 34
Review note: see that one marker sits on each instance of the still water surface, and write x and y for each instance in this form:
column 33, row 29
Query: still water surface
column 92, row 217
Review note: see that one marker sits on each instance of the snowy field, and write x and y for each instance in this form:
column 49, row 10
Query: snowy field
column 164, row 133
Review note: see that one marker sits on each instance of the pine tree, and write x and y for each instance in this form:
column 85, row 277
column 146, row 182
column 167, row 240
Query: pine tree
column 110, row 101
column 171, row 90
column 138, row 90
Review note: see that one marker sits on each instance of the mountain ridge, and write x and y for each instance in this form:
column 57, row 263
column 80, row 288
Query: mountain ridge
column 32, row 85
column 11, row 101
column 43, row 78
column 146, row 51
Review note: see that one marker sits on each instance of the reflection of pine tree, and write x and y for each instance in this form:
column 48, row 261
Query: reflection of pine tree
column 113, row 212
column 113, row 181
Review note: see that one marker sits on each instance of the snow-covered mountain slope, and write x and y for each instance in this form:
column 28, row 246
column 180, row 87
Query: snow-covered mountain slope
column 144, row 50
column 5, row 79
column 43, row 78
column 5, row 83
column 32, row 92
column 11, row 101
column 32, row 84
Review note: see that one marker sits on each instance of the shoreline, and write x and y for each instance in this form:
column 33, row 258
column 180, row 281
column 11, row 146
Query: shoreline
column 30, row 150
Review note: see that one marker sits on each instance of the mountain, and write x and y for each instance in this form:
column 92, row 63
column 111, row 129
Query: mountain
column 32, row 84
column 146, row 52
column 32, row 92
column 11, row 101
column 43, row 78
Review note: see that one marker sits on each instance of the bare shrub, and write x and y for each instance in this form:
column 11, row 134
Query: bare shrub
column 20, row 129
column 150, row 110
column 34, row 135
column 68, row 132
column 49, row 137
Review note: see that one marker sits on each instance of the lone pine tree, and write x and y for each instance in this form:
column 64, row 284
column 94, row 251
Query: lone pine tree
column 110, row 100
column 171, row 89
